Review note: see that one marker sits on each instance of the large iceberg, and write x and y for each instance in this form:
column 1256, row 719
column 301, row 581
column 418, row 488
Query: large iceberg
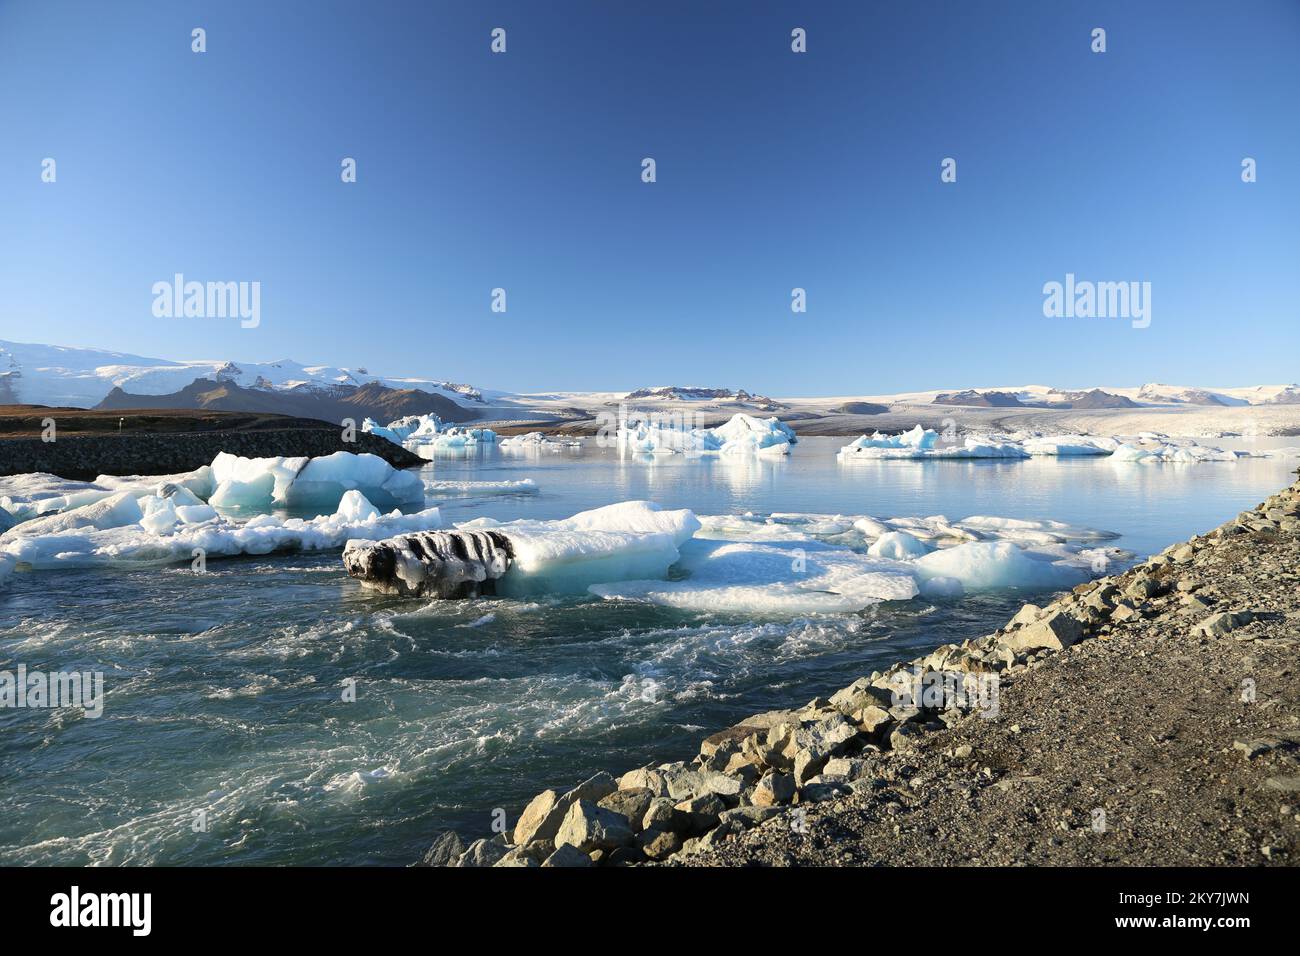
column 741, row 434
column 634, row 539
column 260, row 484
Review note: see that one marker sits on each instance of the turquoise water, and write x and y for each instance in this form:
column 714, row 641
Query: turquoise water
column 225, row 689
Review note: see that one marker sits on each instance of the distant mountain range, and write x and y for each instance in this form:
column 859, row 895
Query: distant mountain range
column 328, row 403
column 82, row 378
column 697, row 393
column 1093, row 398
column 92, row 378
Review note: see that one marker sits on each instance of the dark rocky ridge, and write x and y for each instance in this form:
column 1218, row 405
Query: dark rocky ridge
column 156, row 442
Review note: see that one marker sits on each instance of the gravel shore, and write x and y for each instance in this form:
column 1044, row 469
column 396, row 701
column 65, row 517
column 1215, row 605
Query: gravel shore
column 1146, row 718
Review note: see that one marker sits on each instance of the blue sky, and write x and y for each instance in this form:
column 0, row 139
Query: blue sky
column 775, row 170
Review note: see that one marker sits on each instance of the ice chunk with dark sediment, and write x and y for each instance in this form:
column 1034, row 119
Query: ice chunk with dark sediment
column 441, row 564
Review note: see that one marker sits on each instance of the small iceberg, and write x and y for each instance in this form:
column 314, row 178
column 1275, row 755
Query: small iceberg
column 414, row 432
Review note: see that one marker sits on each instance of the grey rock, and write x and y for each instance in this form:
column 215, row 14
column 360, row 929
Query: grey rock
column 482, row 853
column 567, row 855
column 630, row 803
column 774, row 789
column 446, row 849
column 1056, row 631
column 1216, row 625
column 589, row 827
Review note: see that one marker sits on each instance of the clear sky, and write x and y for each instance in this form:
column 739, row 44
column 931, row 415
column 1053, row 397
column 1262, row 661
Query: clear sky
column 775, row 170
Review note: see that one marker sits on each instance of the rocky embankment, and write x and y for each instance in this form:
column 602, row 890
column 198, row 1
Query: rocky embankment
column 1146, row 718
column 84, row 457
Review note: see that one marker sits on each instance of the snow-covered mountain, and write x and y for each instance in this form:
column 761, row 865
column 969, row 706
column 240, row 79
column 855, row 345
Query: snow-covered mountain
column 79, row 377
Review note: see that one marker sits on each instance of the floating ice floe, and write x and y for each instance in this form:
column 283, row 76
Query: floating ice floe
column 1186, row 454
column 944, row 557
column 416, row 431
column 634, row 539
column 770, row 578
column 153, row 530
column 260, row 484
column 23, row 497
column 921, row 444
column 476, row 489
column 741, row 434
column 533, row 441
column 780, row 564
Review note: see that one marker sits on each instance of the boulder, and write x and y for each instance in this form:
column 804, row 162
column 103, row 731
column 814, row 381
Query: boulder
column 646, row 778
column 701, row 812
column 630, row 803
column 567, row 855
column 858, row 695
column 482, row 853
column 446, row 849
column 542, row 817
column 589, row 826
column 774, row 789
column 663, row 815
column 659, row 844
column 1056, row 631
column 1026, row 615
column 521, row 856
column 1216, row 625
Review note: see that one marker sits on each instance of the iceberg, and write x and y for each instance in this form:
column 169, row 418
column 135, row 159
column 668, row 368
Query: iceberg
column 770, row 578
column 985, row 565
column 264, row 483
column 1182, row 454
column 32, row 495
column 741, row 434
column 475, row 489
column 440, row 564
column 634, row 539
column 166, row 531
column 534, row 441
column 920, row 444
column 414, row 431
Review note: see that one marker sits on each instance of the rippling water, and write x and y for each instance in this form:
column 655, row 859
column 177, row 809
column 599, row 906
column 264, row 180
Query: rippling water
column 224, row 690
